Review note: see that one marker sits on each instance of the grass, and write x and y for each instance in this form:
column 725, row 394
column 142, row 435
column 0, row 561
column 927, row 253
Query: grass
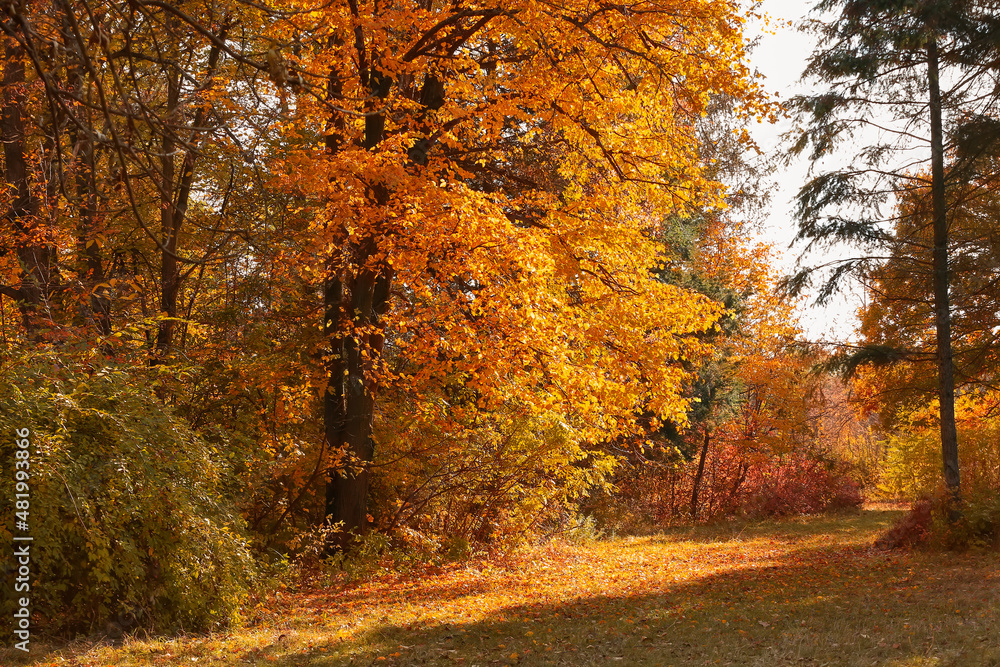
column 808, row 591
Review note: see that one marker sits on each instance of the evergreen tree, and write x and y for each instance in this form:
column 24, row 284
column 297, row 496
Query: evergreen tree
column 883, row 64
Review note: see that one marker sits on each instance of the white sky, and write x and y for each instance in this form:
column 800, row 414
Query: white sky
column 781, row 58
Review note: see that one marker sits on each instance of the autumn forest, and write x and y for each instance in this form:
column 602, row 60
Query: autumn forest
column 411, row 332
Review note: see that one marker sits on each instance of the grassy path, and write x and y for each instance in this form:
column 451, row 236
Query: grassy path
column 809, row 591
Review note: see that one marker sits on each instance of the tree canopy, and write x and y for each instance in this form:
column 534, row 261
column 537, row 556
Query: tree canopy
column 311, row 283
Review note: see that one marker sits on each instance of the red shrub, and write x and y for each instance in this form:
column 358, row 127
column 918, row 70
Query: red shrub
column 910, row 530
column 736, row 482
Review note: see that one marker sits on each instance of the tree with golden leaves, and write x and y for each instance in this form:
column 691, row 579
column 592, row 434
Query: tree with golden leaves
column 484, row 184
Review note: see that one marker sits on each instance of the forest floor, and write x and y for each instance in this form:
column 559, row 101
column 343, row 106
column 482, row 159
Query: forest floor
column 807, row 591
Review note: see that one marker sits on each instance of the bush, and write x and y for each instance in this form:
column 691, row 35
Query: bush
column 912, row 529
column 977, row 524
column 503, row 478
column 737, row 482
column 800, row 483
column 928, row 521
column 126, row 513
column 981, row 519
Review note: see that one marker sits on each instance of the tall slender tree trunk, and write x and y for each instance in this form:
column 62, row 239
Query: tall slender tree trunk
column 942, row 307
column 91, row 265
column 334, row 407
column 35, row 253
column 92, row 272
column 175, row 195
column 700, row 474
column 169, row 229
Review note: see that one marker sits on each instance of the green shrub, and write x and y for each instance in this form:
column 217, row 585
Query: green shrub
column 978, row 523
column 501, row 478
column 912, row 465
column 581, row 529
column 913, row 455
column 128, row 520
column 981, row 513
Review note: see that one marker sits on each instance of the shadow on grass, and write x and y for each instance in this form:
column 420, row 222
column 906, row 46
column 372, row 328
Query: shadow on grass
column 786, row 532
column 818, row 606
column 829, row 602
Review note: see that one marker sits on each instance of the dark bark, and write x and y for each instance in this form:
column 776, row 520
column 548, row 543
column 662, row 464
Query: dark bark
column 350, row 406
column 700, row 474
column 92, row 273
column 35, row 254
column 942, row 307
column 334, row 408
column 169, row 228
column 91, row 269
column 356, row 297
column 175, row 194
column 740, row 478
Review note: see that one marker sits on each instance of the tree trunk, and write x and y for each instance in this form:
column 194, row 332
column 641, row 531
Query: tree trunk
column 92, row 274
column 358, row 302
column 175, row 195
column 942, row 308
column 356, row 297
column 35, row 254
column 169, row 229
column 700, row 474
column 741, row 476
column 334, row 407
column 349, row 402
column 91, row 270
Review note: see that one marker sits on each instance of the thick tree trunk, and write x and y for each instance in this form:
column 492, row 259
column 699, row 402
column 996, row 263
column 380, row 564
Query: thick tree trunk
column 358, row 302
column 356, row 297
column 942, row 307
column 700, row 474
column 349, row 402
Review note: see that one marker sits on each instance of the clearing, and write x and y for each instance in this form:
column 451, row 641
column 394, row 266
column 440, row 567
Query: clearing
column 804, row 591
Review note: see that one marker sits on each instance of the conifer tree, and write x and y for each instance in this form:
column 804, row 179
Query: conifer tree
column 883, row 64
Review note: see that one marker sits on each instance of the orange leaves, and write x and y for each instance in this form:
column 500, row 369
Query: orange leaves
column 500, row 173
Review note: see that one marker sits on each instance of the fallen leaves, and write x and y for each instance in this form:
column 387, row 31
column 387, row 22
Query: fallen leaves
column 787, row 593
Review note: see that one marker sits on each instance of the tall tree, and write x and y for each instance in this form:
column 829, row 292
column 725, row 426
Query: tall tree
column 883, row 63
column 142, row 115
column 24, row 229
column 492, row 178
column 475, row 192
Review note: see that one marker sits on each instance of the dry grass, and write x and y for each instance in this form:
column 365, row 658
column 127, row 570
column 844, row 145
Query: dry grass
column 809, row 591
